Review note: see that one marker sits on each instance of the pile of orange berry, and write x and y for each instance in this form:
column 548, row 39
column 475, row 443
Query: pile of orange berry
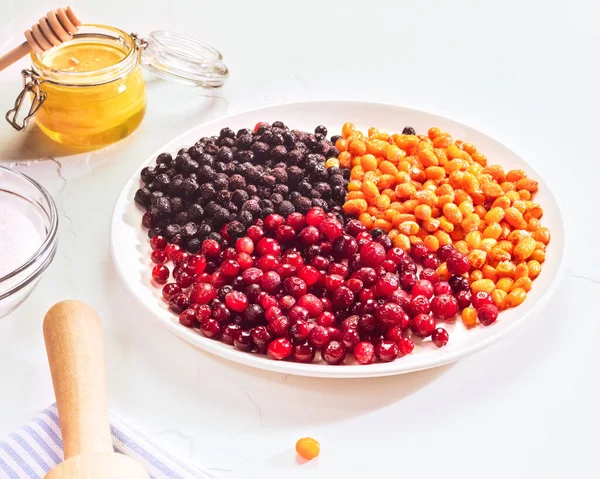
column 436, row 190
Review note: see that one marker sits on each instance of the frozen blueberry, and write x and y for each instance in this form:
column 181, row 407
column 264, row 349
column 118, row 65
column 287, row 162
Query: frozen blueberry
column 165, row 158
column 264, row 203
column 304, row 187
column 337, row 180
column 259, row 148
column 147, row 174
column 267, row 136
column 285, row 208
column 206, row 173
column 375, row 232
column 276, row 140
column 251, row 189
column 207, row 191
column 172, row 229
column 294, row 157
column 409, row 130
column 232, row 208
column 278, row 152
column 252, row 206
column 235, row 229
column 314, row 194
column 346, row 174
column 279, row 124
column 161, row 206
column 189, row 230
column 245, row 217
column 203, row 230
column 189, row 187
column 221, row 216
column 303, row 204
column 211, row 209
column 152, row 232
column 215, row 236
column 268, row 180
column 143, row 196
column 161, row 182
column 225, row 154
column 323, row 147
column 239, row 197
column 294, row 195
column 223, row 197
column 335, row 138
column 323, row 188
column 266, row 212
column 244, row 142
column 319, row 202
column 195, row 212
column 193, row 245
column 227, row 133
column 338, row 193
column 176, row 204
column 283, row 190
column 189, row 165
column 275, row 198
column 221, row 182
column 237, row 182
column 295, row 175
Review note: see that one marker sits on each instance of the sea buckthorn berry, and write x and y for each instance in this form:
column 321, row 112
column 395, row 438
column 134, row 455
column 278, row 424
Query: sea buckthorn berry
column 499, row 297
column 486, row 285
column 515, row 297
column 523, row 282
column 534, row 268
column 469, row 317
column 505, row 284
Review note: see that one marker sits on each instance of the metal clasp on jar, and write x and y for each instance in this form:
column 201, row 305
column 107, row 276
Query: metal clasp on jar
column 31, row 84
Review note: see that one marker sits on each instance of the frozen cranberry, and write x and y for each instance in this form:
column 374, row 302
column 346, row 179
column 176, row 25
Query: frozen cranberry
column 350, row 322
column 286, row 270
column 267, row 262
column 286, row 302
column 280, row 326
column 273, row 221
column 429, row 275
column 418, row 251
column 184, row 280
column 459, row 283
column 236, row 301
column 312, row 304
column 309, row 235
column 315, row 216
column 244, row 245
column 481, row 298
column 272, row 312
column 267, row 301
column 355, row 227
column 325, row 247
column 296, row 220
column 160, row 273
column 408, row 280
column 418, row 305
column 327, row 305
column 172, row 250
column 229, row 332
column 295, row 286
column 366, row 293
column 423, row 288
column 252, row 276
column 221, row 313
column 255, row 233
column 218, row 279
column 310, row 252
column 261, row 336
column 386, row 351
column 442, row 287
column 285, row 234
column 385, row 241
column 344, row 247
column 268, row 246
column 367, row 275
column 387, row 284
column 202, row 311
column 372, row 254
column 254, row 314
column 335, row 334
column 211, row 248
column 326, row 318
column 302, row 353
column 458, row 263
column 243, row 341
column 197, row 263
column 188, row 318
column 331, row 229
column 444, row 306
column 333, row 281
column 261, row 126
column 309, row 274
column 334, row 352
column 445, row 251
column 170, row 290
column 244, row 260
column 407, row 265
column 210, row 327
column 440, row 337
column 350, row 338
column 294, row 258
column 280, row 348
column 300, row 329
column 270, row 282
column 364, row 236
column 229, row 253
column 406, row 346
column 318, row 336
column 342, row 297
column 464, row 299
column 367, row 324
column 389, row 314
column 487, row 314
column 179, row 303
column 394, row 334
column 202, row 278
column 364, row 352
column 158, row 242
column 389, row 266
column 298, row 313
column 158, row 256
column 396, row 255
column 355, row 285
column 431, row 261
column 400, row 297
column 422, row 325
column 230, row 268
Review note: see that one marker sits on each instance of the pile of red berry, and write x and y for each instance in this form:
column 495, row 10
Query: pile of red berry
column 304, row 284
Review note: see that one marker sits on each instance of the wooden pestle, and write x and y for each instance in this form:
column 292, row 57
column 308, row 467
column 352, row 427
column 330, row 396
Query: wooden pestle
column 55, row 28
column 73, row 336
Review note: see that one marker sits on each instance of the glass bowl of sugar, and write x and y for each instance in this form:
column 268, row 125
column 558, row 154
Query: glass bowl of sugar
column 28, row 236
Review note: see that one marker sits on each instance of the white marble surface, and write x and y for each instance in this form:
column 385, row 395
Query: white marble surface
column 525, row 72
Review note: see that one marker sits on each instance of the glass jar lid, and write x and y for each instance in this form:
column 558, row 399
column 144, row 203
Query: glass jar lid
column 172, row 55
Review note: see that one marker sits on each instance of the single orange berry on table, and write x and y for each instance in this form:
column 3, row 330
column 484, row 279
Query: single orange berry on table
column 308, row 448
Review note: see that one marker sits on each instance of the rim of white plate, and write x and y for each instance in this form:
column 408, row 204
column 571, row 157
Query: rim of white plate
column 129, row 238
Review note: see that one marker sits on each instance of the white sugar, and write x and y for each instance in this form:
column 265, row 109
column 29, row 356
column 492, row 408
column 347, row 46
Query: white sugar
column 20, row 234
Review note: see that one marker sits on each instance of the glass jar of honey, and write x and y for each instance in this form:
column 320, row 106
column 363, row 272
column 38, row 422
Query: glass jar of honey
column 90, row 92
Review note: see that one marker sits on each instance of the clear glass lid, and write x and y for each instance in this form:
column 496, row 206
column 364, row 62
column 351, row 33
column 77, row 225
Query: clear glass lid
column 184, row 58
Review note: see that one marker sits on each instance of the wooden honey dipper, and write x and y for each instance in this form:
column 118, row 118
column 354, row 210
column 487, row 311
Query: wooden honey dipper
column 73, row 336
column 55, row 28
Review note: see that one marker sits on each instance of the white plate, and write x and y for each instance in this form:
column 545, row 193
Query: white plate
column 131, row 250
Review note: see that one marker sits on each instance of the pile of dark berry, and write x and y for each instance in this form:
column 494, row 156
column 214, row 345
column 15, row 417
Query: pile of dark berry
column 307, row 285
column 223, row 184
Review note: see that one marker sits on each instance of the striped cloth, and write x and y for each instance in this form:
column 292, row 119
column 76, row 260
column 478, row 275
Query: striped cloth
column 36, row 448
